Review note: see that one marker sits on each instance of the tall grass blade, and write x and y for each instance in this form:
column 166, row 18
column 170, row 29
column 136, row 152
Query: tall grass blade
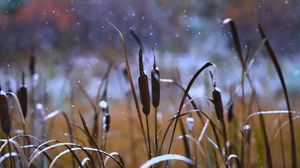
column 4, row 113
column 235, row 37
column 91, row 140
column 131, row 82
column 183, row 99
column 280, row 75
column 167, row 157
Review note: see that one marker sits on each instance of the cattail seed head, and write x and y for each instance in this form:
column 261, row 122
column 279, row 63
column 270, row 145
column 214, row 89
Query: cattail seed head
column 142, row 79
column 4, row 113
column 22, row 96
column 218, row 103
column 103, row 106
column 143, row 86
column 144, row 93
column 155, row 77
column 230, row 110
column 247, row 132
column 40, row 110
column 106, row 122
column 190, row 123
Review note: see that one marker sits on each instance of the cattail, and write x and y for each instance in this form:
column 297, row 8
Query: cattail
column 22, row 96
column 218, row 103
column 190, row 123
column 247, row 132
column 155, row 77
column 103, row 106
column 4, row 113
column 40, row 110
column 143, row 86
column 106, row 122
column 143, row 78
column 32, row 62
column 230, row 110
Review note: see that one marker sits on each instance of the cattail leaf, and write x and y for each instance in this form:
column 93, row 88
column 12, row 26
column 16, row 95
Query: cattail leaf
column 190, row 84
column 166, row 157
column 231, row 157
column 137, row 39
column 282, row 81
column 120, row 163
column 18, row 105
column 33, row 157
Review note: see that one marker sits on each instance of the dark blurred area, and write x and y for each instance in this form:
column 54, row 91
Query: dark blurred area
column 73, row 26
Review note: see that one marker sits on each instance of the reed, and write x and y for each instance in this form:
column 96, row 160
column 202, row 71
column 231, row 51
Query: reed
column 155, row 84
column 280, row 75
column 218, row 103
column 155, row 92
column 22, row 96
column 144, row 89
column 4, row 113
column 32, row 62
column 144, row 96
column 131, row 83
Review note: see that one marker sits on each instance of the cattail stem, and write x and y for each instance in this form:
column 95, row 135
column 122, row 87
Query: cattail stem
column 155, row 131
column 130, row 132
column 148, row 136
column 9, row 151
column 104, row 140
column 131, row 82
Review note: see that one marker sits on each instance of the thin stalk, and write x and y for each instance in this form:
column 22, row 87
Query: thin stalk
column 131, row 123
column 185, row 141
column 9, row 151
column 92, row 142
column 104, row 140
column 225, row 138
column 155, row 131
column 148, row 136
column 266, row 141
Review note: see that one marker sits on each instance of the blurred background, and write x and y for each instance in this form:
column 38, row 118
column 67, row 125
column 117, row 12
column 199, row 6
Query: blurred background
column 72, row 36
